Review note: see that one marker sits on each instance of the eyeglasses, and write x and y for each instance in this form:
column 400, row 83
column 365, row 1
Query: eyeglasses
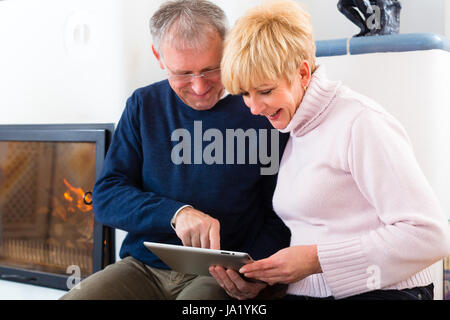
column 183, row 79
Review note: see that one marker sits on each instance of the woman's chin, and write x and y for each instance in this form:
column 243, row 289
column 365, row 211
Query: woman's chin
column 279, row 125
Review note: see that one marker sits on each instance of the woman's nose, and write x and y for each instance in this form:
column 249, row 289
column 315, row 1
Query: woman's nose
column 256, row 107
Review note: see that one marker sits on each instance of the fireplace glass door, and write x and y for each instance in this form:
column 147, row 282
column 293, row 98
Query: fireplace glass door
column 47, row 223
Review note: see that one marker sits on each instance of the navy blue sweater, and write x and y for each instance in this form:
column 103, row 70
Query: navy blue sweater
column 141, row 186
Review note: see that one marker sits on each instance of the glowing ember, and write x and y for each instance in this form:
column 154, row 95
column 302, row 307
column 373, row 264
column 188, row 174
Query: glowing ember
column 68, row 197
column 75, row 197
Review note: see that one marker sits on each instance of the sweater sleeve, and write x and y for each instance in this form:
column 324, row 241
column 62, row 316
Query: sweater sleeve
column 413, row 231
column 118, row 197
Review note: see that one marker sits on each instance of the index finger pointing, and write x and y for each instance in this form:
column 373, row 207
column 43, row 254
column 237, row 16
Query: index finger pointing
column 214, row 235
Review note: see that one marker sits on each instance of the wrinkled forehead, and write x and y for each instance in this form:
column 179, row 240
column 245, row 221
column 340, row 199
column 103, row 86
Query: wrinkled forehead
column 184, row 36
column 205, row 55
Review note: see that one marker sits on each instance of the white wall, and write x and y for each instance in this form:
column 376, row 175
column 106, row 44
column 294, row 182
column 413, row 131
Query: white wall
column 447, row 18
column 73, row 60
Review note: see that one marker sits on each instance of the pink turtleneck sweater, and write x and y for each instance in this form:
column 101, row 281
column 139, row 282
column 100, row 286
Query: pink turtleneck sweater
column 349, row 183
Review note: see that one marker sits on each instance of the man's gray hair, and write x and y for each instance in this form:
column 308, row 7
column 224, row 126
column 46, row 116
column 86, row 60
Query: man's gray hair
column 187, row 24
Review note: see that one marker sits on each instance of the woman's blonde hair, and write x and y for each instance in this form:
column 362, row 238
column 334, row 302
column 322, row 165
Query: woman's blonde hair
column 268, row 43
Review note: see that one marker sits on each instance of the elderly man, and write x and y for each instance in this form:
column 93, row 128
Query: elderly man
column 165, row 179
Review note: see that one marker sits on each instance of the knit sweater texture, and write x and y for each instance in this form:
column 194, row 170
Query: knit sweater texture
column 349, row 183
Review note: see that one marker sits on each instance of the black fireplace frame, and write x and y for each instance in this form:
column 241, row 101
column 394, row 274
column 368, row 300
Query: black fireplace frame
column 104, row 236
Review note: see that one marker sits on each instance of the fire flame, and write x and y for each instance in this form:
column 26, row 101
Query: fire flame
column 75, row 197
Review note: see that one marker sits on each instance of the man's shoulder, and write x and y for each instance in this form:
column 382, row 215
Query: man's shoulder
column 150, row 96
column 234, row 100
column 157, row 88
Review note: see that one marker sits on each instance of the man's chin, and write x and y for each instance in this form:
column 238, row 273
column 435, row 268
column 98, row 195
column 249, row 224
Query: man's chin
column 202, row 107
column 202, row 104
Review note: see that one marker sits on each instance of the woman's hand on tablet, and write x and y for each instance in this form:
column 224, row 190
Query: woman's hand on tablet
column 285, row 266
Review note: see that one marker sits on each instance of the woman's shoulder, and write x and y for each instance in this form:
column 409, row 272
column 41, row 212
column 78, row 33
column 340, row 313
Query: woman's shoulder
column 354, row 105
column 352, row 113
column 367, row 116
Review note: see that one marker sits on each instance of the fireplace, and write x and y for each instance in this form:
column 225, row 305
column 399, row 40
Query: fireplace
column 48, row 232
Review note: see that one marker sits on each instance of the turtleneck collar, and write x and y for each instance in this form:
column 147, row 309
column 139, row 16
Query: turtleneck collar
column 314, row 105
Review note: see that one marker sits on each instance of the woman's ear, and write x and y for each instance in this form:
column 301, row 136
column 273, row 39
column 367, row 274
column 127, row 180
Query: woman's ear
column 158, row 57
column 305, row 73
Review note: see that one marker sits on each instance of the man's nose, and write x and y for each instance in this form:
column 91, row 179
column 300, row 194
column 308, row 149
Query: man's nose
column 199, row 85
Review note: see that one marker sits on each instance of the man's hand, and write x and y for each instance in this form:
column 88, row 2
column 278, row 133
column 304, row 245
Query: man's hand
column 197, row 229
column 234, row 284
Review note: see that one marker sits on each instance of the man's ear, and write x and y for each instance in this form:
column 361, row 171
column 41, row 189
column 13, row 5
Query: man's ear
column 158, row 57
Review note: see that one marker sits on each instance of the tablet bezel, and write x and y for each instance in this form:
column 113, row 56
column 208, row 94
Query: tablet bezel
column 191, row 260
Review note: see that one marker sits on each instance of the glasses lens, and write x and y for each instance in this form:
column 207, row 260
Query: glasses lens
column 183, row 79
column 212, row 74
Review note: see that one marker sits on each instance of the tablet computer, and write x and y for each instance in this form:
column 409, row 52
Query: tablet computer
column 197, row 261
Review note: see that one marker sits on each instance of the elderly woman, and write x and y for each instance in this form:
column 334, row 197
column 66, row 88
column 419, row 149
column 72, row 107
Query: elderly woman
column 365, row 223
